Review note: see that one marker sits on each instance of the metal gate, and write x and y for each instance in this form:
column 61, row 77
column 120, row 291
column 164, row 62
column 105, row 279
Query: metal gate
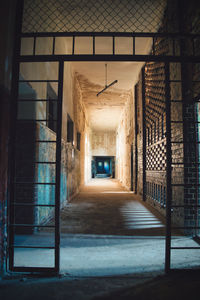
column 29, row 165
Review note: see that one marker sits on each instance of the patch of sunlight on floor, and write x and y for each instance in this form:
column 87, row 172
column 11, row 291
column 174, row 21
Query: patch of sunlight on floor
column 116, row 192
column 136, row 216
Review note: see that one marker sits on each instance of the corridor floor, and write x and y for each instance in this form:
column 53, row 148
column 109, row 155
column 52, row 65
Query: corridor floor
column 107, row 231
column 105, row 207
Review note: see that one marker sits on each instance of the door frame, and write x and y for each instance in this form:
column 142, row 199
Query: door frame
column 17, row 59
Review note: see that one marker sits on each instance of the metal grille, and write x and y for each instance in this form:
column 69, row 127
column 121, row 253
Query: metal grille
column 93, row 15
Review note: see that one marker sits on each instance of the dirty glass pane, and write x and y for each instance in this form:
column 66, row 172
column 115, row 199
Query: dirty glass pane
column 103, row 45
column 27, row 46
column 83, row 45
column 44, row 45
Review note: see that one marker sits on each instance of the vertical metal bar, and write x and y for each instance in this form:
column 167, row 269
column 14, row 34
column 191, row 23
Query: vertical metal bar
column 13, row 114
column 93, row 45
column 144, row 133
column 168, row 171
column 162, row 126
column 136, row 131
column 53, row 46
column 58, row 166
column 197, row 168
column 73, row 45
column 131, row 167
column 113, row 45
column 34, row 45
column 133, row 45
column 153, row 46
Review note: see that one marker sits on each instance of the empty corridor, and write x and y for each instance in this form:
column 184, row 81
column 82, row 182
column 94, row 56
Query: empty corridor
column 105, row 207
column 107, row 231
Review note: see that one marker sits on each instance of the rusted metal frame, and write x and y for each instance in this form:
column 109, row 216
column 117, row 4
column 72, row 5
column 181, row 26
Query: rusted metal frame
column 12, row 224
column 157, row 100
column 168, row 171
column 150, row 119
column 33, row 205
column 13, row 119
column 131, row 167
column 156, row 113
column 147, row 121
column 156, row 107
column 136, row 133
column 33, row 247
column 58, row 166
column 108, row 57
column 43, row 270
column 110, row 34
column 144, row 133
column 197, row 173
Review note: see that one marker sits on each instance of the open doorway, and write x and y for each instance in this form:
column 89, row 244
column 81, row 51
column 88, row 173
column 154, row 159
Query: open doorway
column 103, row 167
column 73, row 67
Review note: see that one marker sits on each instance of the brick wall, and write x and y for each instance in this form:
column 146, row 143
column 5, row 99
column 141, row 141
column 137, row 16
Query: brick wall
column 184, row 87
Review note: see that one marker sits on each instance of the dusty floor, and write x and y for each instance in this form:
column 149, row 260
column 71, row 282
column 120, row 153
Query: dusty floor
column 175, row 286
column 105, row 207
column 106, row 231
column 101, row 232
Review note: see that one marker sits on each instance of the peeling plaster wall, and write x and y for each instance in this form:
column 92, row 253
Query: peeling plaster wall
column 87, row 155
column 124, row 140
column 103, row 143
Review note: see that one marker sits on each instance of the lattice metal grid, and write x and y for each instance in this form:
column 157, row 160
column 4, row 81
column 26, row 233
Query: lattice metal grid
column 93, row 15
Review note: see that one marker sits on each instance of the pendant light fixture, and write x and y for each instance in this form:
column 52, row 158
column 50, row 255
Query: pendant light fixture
column 106, row 86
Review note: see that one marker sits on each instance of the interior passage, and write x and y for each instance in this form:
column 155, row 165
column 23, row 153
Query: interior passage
column 105, row 207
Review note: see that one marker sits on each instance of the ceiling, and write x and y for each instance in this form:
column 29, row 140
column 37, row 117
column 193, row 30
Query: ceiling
column 105, row 110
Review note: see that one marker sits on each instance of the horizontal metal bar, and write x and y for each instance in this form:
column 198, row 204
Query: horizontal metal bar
column 185, row 142
column 34, row 269
column 186, row 227
column 36, row 120
column 109, row 34
column 36, row 100
column 32, row 225
column 48, row 183
column 187, row 164
column 185, row 206
column 183, row 248
column 36, row 80
column 173, row 121
column 176, row 81
column 32, row 247
column 108, row 57
column 43, row 141
column 176, row 101
column 45, row 162
column 185, row 184
column 30, row 204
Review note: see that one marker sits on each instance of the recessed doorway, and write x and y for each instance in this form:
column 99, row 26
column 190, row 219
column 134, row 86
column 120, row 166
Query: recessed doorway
column 103, row 167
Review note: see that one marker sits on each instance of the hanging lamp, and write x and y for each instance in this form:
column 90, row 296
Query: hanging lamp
column 106, row 86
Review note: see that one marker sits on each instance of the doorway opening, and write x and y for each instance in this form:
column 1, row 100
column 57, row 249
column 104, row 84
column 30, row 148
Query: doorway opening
column 103, row 167
column 49, row 175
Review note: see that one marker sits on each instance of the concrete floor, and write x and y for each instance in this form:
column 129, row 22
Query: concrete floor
column 107, row 231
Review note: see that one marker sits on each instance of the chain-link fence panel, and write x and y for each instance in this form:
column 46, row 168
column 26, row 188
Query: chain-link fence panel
column 93, row 15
